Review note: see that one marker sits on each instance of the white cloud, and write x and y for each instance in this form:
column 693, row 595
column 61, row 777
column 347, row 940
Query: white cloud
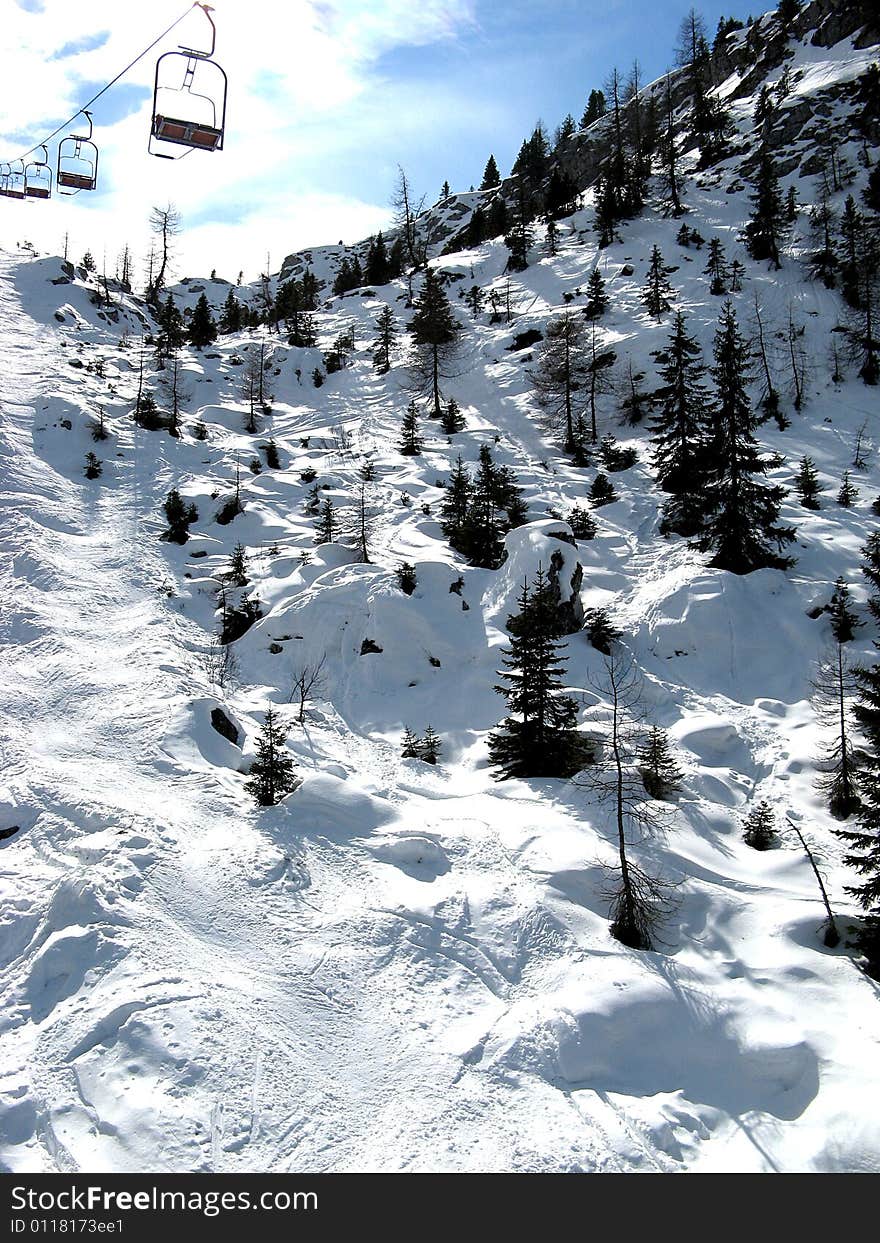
column 301, row 78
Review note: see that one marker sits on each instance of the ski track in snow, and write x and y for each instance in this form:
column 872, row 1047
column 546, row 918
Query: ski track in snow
column 401, row 968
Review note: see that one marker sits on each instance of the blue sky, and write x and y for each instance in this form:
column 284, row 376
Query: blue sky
column 327, row 97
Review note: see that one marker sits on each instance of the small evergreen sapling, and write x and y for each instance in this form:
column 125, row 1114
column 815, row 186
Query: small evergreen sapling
column 582, row 523
column 844, row 621
column 661, row 774
column 602, row 491
column 453, row 420
column 807, row 485
column 272, row 459
column 410, row 745
column 410, row 443
column 94, row 466
column 430, row 746
column 601, row 630
column 272, row 774
column 180, row 516
column 237, row 575
column 326, row 529
column 406, row 578
column 759, row 827
column 657, row 290
column 848, row 494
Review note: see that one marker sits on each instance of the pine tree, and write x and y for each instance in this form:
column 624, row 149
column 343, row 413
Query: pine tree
column 596, row 108
column 272, row 773
column 583, row 524
column 834, row 689
column 312, row 506
column 716, row 268
column 678, row 432
column 481, row 538
column 453, row 420
column 410, row 746
column 410, row 444
column 602, row 491
column 430, row 746
column 807, row 485
column 520, row 238
column 377, row 266
column 597, row 299
column 844, row 621
column 766, row 227
column 491, row 176
column 657, row 763
column 273, row 461
column 601, row 630
column 385, row 334
column 326, row 529
column 759, row 827
column 230, row 317
column 237, row 575
column 172, row 333
column 202, row 328
column 455, row 506
column 538, row 738
column 94, row 467
column 559, row 378
column 435, row 333
column 864, row 841
column 871, row 571
column 657, row 289
column 406, row 578
column 848, row 494
column 743, row 511
column 179, row 515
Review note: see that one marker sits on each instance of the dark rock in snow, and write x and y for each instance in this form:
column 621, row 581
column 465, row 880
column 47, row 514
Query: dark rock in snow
column 368, row 647
column 221, row 722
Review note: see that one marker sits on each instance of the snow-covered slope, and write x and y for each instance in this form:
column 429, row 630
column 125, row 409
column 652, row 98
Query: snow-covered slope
column 403, row 967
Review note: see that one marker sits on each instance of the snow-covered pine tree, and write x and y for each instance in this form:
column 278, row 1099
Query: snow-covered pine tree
column 766, row 227
column 597, row 298
column 806, row 484
column 657, row 290
column 759, row 827
column 410, row 443
column 326, row 527
column 430, row 746
column 660, row 770
column 453, row 420
column 202, row 328
column 179, row 515
column 742, row 511
column 835, row 687
column 679, row 431
column 849, row 493
column 559, row 377
column 272, row 774
column 410, row 745
column 716, row 268
column 435, row 332
column 385, row 336
column 538, row 738
column 844, row 621
column 864, row 841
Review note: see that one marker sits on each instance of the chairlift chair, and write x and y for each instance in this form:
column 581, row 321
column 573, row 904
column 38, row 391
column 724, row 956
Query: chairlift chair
column 12, row 180
column 189, row 100
column 77, row 162
column 38, row 177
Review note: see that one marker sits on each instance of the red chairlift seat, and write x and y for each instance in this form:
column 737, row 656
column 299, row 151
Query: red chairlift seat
column 187, row 133
column 75, row 181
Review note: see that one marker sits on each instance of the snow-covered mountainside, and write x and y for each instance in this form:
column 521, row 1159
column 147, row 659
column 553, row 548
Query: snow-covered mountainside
column 405, row 966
